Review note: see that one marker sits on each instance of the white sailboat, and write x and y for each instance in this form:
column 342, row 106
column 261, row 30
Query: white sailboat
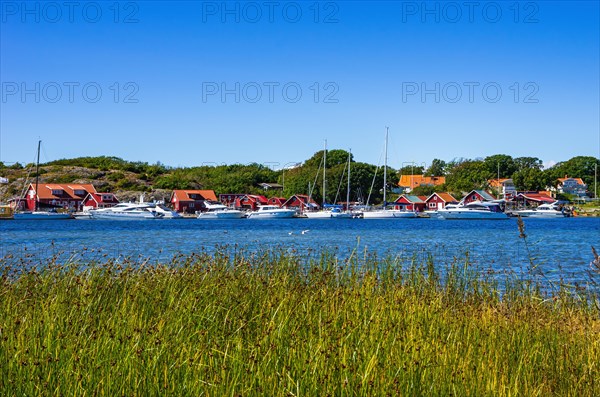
column 322, row 213
column 385, row 213
column 36, row 214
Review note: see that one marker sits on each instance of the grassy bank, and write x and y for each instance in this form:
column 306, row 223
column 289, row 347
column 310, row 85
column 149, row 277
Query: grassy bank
column 275, row 323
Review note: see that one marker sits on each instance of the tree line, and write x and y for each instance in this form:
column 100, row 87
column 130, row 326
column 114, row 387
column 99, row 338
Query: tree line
column 366, row 180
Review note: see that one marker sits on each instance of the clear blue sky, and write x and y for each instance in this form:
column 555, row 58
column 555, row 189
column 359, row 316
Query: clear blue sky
column 162, row 67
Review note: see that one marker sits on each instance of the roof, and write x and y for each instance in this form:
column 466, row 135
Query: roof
column 413, row 181
column 255, row 197
column 578, row 180
column 99, row 197
column 184, row 195
column 486, row 196
column 303, row 198
column 540, row 197
column 45, row 190
column 410, row 199
column 499, row 182
column 446, row 197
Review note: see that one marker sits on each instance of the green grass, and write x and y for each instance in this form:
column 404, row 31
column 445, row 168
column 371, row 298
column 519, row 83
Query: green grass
column 276, row 323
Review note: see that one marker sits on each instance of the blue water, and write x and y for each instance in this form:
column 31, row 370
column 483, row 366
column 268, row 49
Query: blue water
column 557, row 245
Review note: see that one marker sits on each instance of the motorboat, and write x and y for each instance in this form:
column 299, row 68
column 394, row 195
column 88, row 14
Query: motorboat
column 548, row 210
column 219, row 211
column 127, row 211
column 472, row 210
column 6, row 212
column 270, row 212
column 41, row 215
column 334, row 212
column 166, row 212
column 385, row 213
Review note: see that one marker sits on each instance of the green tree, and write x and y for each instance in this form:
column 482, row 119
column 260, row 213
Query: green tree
column 468, row 175
column 577, row 167
column 502, row 162
column 531, row 179
column 411, row 170
column 522, row 163
column 437, row 168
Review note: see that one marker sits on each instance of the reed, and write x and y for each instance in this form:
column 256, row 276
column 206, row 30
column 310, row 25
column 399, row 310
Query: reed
column 279, row 323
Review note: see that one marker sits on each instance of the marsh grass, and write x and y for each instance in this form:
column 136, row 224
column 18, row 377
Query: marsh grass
column 280, row 323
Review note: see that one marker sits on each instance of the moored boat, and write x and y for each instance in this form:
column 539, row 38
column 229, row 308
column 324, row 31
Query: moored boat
column 127, row 211
column 472, row 210
column 219, row 211
column 6, row 212
column 549, row 210
column 271, row 212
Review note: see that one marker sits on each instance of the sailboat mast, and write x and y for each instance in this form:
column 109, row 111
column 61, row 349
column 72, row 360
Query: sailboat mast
column 385, row 168
column 37, row 175
column 348, row 188
column 324, row 168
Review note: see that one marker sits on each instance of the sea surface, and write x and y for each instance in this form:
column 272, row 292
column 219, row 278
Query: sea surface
column 560, row 247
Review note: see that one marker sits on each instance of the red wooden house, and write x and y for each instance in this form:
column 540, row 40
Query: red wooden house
column 100, row 200
column 278, row 201
column 250, row 201
column 532, row 199
column 301, row 202
column 410, row 203
column 438, row 201
column 478, row 195
column 230, row 199
column 191, row 201
column 69, row 196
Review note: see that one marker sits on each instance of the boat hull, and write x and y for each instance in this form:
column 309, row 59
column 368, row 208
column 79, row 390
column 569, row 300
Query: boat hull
column 540, row 214
column 41, row 216
column 272, row 214
column 466, row 214
column 388, row 214
column 123, row 216
column 231, row 214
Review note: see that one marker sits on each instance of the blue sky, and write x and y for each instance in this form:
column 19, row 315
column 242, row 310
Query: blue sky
column 191, row 83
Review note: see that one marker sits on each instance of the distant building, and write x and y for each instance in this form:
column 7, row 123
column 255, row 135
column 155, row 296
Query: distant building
column 505, row 187
column 100, row 200
column 190, row 201
column 250, row 201
column 410, row 203
column 409, row 182
column 53, row 195
column 574, row 186
column 278, row 201
column 301, row 202
column 532, row 199
column 438, row 201
column 478, row 195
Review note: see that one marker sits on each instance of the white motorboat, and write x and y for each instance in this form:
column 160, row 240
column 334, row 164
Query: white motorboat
column 219, row 211
column 166, row 212
column 41, row 215
column 472, row 210
column 331, row 213
column 270, row 212
column 127, row 211
column 385, row 213
column 549, row 210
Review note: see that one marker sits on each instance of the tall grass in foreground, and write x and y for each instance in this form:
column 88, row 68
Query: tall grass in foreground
column 275, row 323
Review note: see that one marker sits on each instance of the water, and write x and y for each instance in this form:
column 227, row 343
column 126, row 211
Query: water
column 561, row 246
